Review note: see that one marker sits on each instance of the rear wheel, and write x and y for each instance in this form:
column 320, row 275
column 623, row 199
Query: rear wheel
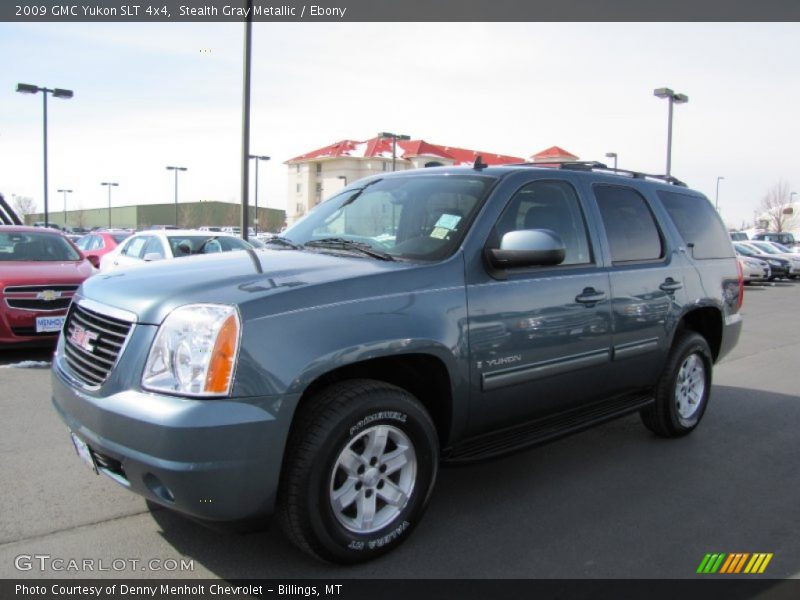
column 683, row 390
column 360, row 466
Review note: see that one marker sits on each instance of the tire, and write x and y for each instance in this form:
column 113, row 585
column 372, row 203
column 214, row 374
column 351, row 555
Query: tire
column 682, row 392
column 357, row 447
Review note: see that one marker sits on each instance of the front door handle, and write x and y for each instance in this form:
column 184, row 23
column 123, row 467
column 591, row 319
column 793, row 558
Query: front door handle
column 590, row 295
column 670, row 286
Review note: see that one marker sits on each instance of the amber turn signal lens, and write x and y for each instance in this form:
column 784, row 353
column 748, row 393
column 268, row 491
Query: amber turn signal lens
column 220, row 369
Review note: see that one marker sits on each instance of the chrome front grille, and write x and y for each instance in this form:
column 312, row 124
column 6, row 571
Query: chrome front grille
column 39, row 298
column 93, row 342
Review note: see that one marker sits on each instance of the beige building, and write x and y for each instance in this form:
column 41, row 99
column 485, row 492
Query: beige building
column 319, row 174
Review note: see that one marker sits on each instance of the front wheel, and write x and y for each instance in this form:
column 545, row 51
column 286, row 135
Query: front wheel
column 360, row 466
column 683, row 390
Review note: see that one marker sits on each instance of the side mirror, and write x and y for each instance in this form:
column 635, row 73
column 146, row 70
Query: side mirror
column 151, row 256
column 93, row 259
column 528, row 248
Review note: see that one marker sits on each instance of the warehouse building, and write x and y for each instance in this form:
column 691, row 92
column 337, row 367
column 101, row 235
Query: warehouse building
column 190, row 215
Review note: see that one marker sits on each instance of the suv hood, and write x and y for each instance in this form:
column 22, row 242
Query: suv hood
column 258, row 281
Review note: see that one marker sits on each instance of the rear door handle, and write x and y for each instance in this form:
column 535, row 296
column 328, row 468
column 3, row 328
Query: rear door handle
column 590, row 296
column 670, row 286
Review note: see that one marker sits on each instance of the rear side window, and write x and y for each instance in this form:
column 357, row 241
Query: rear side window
column 630, row 227
column 699, row 225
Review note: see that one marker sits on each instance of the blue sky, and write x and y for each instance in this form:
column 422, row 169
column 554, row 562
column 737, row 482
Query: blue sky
column 151, row 95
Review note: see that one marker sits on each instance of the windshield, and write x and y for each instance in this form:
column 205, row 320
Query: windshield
column 419, row 218
column 36, row 246
column 781, row 248
column 766, row 248
column 742, row 249
column 186, row 245
column 120, row 237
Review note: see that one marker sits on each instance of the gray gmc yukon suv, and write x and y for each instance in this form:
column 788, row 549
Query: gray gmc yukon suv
column 433, row 316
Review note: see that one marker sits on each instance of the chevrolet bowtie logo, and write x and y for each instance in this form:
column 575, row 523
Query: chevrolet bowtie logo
column 48, row 295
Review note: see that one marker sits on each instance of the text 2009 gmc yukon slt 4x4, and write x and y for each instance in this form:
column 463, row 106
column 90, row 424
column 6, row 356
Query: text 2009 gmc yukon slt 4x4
column 437, row 315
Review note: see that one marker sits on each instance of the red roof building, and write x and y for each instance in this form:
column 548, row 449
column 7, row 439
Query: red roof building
column 318, row 174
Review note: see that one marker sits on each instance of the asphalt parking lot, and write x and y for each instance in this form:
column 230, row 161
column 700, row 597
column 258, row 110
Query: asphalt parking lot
column 613, row 502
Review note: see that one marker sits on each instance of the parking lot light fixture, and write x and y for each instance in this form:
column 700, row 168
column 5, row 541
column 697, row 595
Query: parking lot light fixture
column 65, row 192
column 394, row 137
column 257, row 159
column 614, row 156
column 109, row 185
column 673, row 98
column 27, row 88
column 176, row 169
column 716, row 195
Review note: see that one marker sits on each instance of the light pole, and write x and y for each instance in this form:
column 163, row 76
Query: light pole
column 614, row 156
column 394, row 137
column 257, row 159
column 109, row 185
column 65, row 192
column 245, row 159
column 716, row 196
column 27, row 88
column 673, row 99
column 176, row 169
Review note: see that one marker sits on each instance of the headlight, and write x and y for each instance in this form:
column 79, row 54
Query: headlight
column 774, row 263
column 194, row 352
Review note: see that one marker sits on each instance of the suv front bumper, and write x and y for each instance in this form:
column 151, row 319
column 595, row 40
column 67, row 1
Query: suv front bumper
column 216, row 460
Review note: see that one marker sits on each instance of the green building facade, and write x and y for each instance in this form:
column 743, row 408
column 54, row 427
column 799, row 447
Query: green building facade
column 190, row 215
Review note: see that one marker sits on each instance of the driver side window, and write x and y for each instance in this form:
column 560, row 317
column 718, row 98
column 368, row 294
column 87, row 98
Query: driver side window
column 551, row 205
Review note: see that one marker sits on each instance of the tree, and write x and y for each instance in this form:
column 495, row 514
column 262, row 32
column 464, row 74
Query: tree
column 775, row 205
column 23, row 205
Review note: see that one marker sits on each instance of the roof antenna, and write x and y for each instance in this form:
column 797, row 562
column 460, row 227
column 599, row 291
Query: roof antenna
column 479, row 164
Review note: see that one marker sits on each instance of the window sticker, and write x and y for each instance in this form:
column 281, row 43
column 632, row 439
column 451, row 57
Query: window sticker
column 439, row 233
column 447, row 221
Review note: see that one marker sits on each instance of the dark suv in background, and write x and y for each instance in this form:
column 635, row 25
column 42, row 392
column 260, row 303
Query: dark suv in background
column 436, row 315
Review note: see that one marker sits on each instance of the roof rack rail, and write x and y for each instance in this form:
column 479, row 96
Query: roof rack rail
column 593, row 165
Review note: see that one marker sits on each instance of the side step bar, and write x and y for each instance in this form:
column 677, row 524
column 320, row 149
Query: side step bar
column 545, row 429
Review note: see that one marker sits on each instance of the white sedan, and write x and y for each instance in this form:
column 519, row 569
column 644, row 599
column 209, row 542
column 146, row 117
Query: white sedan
column 165, row 244
column 754, row 269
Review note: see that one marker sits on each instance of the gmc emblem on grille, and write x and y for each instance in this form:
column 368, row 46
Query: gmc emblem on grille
column 48, row 295
column 83, row 338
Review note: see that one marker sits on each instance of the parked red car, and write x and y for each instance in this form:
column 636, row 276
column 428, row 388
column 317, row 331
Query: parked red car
column 40, row 270
column 94, row 245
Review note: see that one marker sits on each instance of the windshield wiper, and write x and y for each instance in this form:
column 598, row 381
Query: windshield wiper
column 283, row 242
column 343, row 244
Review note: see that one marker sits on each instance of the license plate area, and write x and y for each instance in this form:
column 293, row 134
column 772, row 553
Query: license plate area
column 82, row 449
column 49, row 324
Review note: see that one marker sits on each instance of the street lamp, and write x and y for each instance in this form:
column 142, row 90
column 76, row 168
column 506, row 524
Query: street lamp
column 27, row 88
column 673, row 99
column 109, row 185
column 176, row 169
column 395, row 137
column 257, row 159
column 716, row 196
column 614, row 156
column 65, row 192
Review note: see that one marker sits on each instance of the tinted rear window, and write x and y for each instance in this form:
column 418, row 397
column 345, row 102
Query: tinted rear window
column 630, row 227
column 699, row 224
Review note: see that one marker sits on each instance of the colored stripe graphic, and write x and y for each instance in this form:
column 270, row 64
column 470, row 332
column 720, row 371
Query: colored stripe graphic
column 734, row 563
